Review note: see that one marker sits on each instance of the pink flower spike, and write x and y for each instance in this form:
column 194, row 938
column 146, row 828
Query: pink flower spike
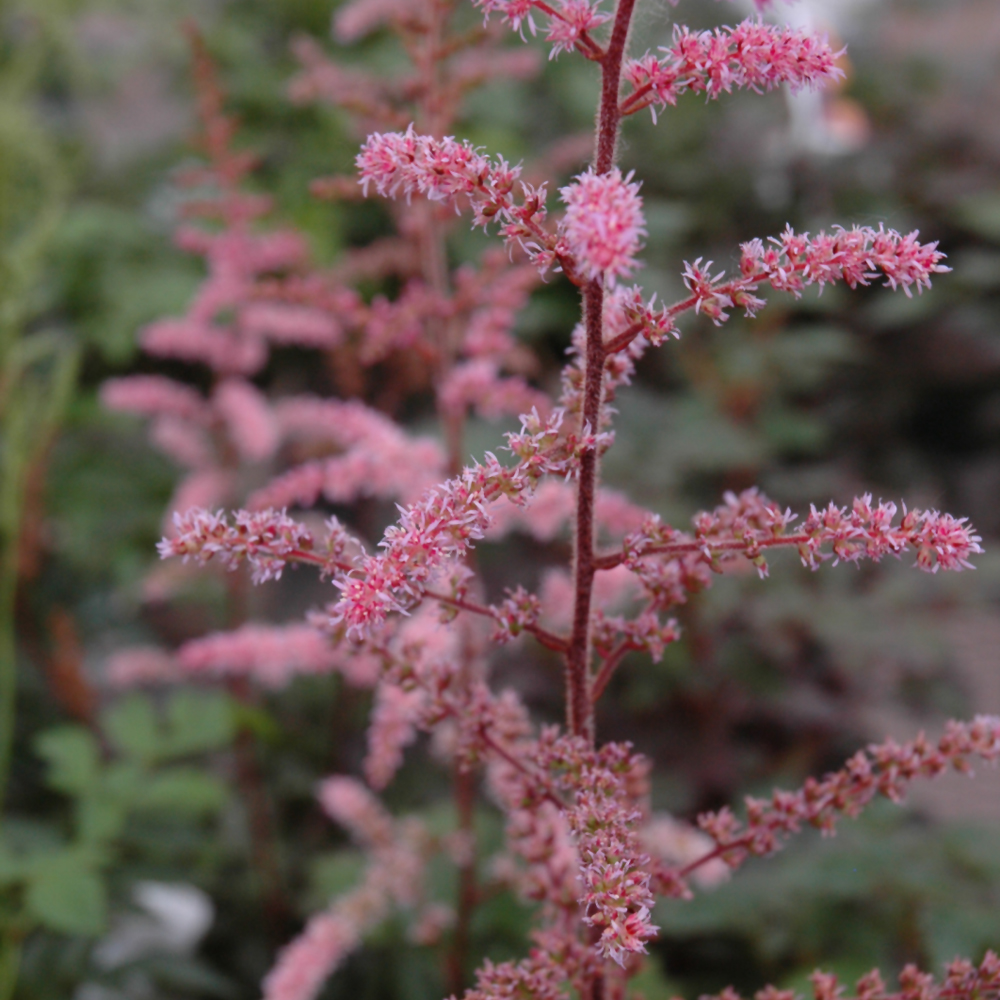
column 753, row 55
column 604, row 224
column 270, row 654
column 441, row 169
column 266, row 539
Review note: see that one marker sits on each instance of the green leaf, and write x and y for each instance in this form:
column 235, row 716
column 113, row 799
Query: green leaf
column 199, row 721
column 12, row 869
column 185, row 789
column 73, row 758
column 123, row 781
column 66, row 894
column 100, row 818
column 134, row 729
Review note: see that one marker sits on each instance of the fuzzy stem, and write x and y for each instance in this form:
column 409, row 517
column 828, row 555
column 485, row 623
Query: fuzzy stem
column 610, row 665
column 579, row 707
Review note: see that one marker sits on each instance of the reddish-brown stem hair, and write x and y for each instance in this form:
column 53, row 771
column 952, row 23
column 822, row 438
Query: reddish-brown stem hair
column 579, row 706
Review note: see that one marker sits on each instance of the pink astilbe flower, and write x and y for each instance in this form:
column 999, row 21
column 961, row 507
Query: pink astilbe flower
column 440, row 169
column 444, row 170
column 248, row 418
column 675, row 843
column 393, row 878
column 188, row 444
column 237, row 259
column 615, row 635
column 478, row 385
column 568, row 21
column 393, row 727
column 572, row 20
column 749, row 524
column 541, row 976
column 400, row 323
column 360, row 17
column 204, row 488
column 284, row 323
column 537, row 832
column 794, row 261
column 353, row 806
column 443, row 526
column 376, row 458
column 307, row 962
column 270, row 654
column 854, row 256
column 409, row 619
column 752, row 55
column 884, row 769
column 438, row 530
column 603, row 819
column 141, row 665
column 962, row 981
column 604, row 224
column 266, row 539
column 153, row 396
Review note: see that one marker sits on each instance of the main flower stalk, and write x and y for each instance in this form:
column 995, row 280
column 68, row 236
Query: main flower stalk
column 579, row 704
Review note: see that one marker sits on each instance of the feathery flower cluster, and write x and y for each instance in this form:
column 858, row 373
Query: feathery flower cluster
column 854, row 256
column 271, row 654
column 941, row 541
column 753, row 55
column 541, row 976
column 604, row 820
column 448, row 171
column 749, row 524
column 962, row 981
column 375, row 457
column 266, row 539
column 604, row 224
column 568, row 26
column 576, row 836
column 615, row 635
column 884, row 769
column 440, row 169
column 429, row 534
column 477, row 384
column 393, row 878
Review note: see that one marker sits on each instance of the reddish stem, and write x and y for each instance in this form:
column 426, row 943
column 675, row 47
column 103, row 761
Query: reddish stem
column 614, row 559
column 548, row 639
column 623, row 339
column 608, row 668
column 579, row 708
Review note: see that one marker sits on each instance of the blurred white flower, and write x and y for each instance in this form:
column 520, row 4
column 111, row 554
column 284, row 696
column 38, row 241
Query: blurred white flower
column 172, row 919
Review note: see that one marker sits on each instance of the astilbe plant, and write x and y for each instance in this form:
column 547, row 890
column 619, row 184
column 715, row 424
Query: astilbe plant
column 409, row 619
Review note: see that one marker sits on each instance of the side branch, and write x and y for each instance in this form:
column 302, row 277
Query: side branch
column 962, row 981
column 885, row 769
